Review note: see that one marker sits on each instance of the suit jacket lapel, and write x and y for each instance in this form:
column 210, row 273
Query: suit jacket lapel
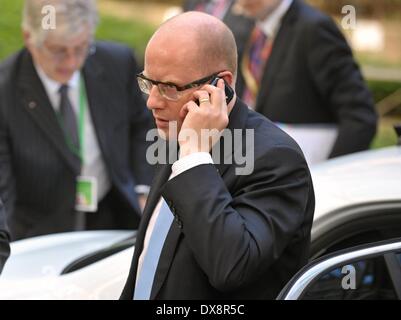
column 162, row 174
column 277, row 56
column 100, row 104
column 36, row 102
column 166, row 258
column 237, row 120
column 238, row 117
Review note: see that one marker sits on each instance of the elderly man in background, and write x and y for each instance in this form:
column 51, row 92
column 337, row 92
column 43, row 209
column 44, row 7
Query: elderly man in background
column 72, row 126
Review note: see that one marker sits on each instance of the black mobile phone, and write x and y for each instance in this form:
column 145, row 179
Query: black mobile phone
column 229, row 91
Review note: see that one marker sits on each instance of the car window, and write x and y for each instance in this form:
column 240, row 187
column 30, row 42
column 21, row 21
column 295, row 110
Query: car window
column 373, row 233
column 368, row 227
column 365, row 279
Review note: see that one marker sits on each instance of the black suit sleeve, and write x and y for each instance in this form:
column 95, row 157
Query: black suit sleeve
column 4, row 239
column 6, row 186
column 7, row 182
column 338, row 78
column 4, row 249
column 236, row 237
column 141, row 123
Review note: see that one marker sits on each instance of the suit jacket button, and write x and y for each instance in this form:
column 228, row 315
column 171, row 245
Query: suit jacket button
column 32, row 104
column 178, row 221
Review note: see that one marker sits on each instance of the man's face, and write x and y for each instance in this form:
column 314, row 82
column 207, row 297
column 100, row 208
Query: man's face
column 168, row 64
column 258, row 9
column 60, row 58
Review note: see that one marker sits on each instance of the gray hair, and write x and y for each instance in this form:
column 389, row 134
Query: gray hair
column 71, row 17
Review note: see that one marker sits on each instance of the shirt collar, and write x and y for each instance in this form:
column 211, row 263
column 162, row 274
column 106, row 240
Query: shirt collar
column 53, row 86
column 272, row 23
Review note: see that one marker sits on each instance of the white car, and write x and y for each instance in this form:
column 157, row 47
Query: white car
column 76, row 265
column 358, row 202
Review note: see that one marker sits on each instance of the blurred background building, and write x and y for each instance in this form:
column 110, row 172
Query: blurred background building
column 376, row 41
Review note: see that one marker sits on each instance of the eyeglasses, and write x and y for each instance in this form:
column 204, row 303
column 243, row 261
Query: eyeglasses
column 60, row 53
column 169, row 90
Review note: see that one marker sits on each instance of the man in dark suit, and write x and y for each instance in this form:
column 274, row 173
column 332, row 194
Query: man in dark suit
column 73, row 128
column 210, row 230
column 305, row 78
column 4, row 238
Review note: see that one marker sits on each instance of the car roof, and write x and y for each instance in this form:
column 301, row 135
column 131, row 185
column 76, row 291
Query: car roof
column 365, row 177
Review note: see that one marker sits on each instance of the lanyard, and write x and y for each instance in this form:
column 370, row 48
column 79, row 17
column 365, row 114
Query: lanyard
column 81, row 126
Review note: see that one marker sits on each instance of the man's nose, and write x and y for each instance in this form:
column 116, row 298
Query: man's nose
column 72, row 61
column 155, row 99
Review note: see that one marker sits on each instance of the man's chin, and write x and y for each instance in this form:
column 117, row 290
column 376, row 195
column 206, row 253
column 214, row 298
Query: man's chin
column 167, row 131
column 163, row 133
column 63, row 77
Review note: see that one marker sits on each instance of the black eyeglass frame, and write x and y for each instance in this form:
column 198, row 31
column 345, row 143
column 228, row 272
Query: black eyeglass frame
column 190, row 85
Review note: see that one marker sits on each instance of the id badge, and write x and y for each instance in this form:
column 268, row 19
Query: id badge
column 86, row 197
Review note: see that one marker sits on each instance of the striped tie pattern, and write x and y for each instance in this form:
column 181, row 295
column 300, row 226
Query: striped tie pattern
column 253, row 64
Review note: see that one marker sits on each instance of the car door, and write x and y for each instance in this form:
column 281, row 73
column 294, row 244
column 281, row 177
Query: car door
column 365, row 272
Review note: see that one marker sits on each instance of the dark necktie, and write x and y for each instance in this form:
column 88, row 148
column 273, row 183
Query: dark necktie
column 69, row 120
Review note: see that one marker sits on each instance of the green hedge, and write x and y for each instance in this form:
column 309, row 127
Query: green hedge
column 381, row 89
column 136, row 34
column 133, row 33
column 10, row 27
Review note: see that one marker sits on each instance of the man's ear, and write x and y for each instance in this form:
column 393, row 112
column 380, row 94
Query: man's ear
column 228, row 77
column 26, row 36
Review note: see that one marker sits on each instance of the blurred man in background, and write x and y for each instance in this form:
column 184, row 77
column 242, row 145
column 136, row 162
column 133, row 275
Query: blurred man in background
column 298, row 71
column 296, row 68
column 4, row 238
column 239, row 24
column 72, row 126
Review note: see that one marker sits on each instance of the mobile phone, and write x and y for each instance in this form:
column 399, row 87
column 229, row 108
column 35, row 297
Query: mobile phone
column 229, row 91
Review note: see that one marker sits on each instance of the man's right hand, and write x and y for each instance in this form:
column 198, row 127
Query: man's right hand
column 203, row 123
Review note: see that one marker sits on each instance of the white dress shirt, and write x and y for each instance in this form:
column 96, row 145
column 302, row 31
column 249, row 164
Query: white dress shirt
column 93, row 164
column 180, row 166
column 272, row 23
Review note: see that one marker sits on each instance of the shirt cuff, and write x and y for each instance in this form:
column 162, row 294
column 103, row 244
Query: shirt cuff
column 190, row 161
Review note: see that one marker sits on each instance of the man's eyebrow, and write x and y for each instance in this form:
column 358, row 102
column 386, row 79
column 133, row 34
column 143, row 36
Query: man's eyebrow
column 164, row 81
